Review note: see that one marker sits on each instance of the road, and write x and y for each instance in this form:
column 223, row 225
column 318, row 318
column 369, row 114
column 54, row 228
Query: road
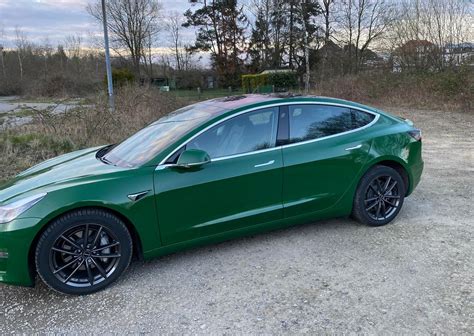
column 414, row 276
column 12, row 109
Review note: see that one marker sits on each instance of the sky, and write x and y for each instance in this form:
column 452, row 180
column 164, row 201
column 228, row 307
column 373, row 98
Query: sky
column 54, row 20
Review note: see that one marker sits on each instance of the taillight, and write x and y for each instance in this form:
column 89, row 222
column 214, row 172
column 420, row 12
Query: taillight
column 415, row 134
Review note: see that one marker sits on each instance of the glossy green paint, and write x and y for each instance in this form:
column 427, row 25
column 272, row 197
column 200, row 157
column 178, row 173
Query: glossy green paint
column 212, row 202
column 321, row 159
column 223, row 195
column 193, row 158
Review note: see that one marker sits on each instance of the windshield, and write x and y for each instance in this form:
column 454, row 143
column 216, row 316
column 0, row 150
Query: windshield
column 148, row 142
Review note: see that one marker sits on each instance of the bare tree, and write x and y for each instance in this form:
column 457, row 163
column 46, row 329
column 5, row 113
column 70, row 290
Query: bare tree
column 73, row 46
column 361, row 22
column 21, row 43
column 133, row 25
column 327, row 9
column 174, row 27
column 440, row 25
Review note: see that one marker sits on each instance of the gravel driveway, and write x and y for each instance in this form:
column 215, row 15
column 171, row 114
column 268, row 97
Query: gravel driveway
column 414, row 276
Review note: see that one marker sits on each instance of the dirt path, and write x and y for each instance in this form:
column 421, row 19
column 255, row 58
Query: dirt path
column 414, row 276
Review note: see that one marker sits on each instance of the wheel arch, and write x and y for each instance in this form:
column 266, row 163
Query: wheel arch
column 137, row 243
column 395, row 163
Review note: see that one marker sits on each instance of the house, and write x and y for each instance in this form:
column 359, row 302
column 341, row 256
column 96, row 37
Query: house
column 416, row 55
column 458, row 54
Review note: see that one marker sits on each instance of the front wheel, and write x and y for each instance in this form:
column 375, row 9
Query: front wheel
column 83, row 252
column 379, row 196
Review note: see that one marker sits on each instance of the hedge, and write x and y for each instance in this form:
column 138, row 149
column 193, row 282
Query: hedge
column 121, row 77
column 281, row 81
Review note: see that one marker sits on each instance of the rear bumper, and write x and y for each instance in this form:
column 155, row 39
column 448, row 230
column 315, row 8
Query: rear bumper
column 414, row 164
column 416, row 171
column 16, row 238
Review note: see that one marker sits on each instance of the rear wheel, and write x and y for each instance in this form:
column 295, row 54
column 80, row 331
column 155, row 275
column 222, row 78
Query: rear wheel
column 379, row 196
column 83, row 252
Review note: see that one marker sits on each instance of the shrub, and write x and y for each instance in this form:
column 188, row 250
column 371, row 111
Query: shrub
column 283, row 81
column 280, row 81
column 251, row 83
column 121, row 77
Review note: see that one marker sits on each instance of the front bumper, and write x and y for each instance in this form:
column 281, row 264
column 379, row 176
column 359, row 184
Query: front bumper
column 16, row 238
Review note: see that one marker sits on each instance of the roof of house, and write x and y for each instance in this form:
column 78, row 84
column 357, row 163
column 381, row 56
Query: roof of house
column 277, row 71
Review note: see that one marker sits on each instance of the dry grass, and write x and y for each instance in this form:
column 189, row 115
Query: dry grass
column 85, row 126
column 451, row 90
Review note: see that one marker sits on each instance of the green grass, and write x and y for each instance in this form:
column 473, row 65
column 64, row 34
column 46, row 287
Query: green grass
column 19, row 113
column 23, row 112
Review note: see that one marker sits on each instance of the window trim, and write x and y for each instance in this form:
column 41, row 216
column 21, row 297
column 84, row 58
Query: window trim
column 163, row 163
column 277, row 115
column 283, row 126
column 351, row 110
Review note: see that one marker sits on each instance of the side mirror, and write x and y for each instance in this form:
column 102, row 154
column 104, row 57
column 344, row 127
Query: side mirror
column 193, row 158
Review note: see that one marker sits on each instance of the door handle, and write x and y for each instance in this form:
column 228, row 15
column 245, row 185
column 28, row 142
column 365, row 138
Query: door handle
column 352, row 148
column 265, row 164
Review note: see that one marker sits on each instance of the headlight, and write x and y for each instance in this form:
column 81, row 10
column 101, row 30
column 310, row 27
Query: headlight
column 11, row 211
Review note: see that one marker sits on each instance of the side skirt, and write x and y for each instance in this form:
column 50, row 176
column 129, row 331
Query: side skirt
column 246, row 231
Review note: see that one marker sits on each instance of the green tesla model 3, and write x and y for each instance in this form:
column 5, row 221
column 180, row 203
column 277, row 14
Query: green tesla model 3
column 208, row 172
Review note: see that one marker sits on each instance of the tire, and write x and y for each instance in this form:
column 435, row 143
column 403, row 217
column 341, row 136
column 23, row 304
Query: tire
column 67, row 264
column 379, row 196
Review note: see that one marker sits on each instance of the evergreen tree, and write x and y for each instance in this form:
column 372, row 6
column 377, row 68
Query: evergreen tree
column 221, row 26
column 283, row 31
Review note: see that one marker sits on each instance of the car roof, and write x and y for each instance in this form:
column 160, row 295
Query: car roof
column 230, row 103
column 233, row 102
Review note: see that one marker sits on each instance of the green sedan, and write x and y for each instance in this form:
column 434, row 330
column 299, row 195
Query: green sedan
column 208, row 172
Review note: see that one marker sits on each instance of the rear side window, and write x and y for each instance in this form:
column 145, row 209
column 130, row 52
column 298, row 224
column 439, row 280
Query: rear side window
column 360, row 118
column 308, row 122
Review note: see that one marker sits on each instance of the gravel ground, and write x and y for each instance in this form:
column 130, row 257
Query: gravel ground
column 414, row 276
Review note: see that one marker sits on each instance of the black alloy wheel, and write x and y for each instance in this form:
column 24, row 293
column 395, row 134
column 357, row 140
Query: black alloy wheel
column 382, row 198
column 379, row 196
column 83, row 252
column 85, row 255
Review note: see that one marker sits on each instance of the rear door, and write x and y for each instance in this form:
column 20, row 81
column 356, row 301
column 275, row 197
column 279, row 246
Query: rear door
column 326, row 150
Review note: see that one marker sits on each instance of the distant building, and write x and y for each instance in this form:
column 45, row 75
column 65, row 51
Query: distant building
column 458, row 54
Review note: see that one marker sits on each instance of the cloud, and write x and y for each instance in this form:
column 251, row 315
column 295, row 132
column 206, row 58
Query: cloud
column 56, row 19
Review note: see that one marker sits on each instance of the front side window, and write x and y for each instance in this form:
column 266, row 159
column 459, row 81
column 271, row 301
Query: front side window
column 308, row 122
column 245, row 133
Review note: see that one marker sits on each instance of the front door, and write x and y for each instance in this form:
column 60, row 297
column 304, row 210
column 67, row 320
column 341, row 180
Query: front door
column 240, row 187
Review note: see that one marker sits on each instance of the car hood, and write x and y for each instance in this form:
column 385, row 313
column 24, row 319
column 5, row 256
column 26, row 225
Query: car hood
column 56, row 172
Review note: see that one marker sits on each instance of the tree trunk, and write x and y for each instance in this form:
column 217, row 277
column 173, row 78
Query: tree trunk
column 20, row 64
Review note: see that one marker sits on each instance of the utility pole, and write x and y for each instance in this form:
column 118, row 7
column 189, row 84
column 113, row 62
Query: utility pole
column 306, row 50
column 107, row 59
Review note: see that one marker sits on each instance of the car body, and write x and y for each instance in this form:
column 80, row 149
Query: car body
column 169, row 201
